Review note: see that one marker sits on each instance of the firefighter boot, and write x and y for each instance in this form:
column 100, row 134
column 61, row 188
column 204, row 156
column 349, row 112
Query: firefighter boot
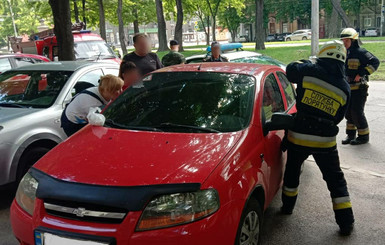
column 361, row 139
column 348, row 139
column 345, row 220
column 288, row 204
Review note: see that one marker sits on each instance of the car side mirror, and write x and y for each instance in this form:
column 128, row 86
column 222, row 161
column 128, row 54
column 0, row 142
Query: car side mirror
column 279, row 121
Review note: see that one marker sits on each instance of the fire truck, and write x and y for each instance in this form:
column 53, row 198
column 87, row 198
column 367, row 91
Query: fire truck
column 88, row 46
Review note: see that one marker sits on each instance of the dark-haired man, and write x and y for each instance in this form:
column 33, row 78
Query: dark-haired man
column 173, row 57
column 145, row 60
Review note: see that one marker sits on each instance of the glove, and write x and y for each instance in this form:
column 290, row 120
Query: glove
column 95, row 118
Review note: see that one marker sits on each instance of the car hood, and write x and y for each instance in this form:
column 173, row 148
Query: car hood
column 8, row 114
column 105, row 156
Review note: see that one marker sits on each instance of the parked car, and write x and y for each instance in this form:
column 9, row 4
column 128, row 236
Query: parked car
column 271, row 37
column 299, row 35
column 192, row 155
column 371, row 32
column 240, row 39
column 32, row 99
column 238, row 56
column 11, row 61
column 282, row 37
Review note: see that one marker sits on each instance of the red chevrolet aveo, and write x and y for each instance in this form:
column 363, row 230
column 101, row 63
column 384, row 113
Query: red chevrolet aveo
column 191, row 155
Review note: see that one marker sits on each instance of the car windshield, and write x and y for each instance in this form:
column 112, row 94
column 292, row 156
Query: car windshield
column 259, row 59
column 37, row 89
column 186, row 102
column 93, row 50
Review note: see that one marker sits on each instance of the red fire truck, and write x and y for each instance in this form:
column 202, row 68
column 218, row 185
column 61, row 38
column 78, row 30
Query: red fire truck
column 88, row 46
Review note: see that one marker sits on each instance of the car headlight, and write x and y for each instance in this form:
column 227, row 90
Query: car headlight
column 26, row 193
column 176, row 209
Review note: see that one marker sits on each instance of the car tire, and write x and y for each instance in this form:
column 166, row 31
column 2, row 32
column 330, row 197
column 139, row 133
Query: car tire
column 288, row 39
column 30, row 157
column 250, row 225
column 304, row 38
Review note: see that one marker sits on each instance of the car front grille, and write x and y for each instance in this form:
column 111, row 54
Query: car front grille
column 85, row 211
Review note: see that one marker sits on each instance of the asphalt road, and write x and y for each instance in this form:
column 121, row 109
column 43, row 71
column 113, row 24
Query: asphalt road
column 313, row 220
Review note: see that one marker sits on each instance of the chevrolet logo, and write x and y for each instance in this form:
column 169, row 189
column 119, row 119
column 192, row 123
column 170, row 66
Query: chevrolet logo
column 80, row 212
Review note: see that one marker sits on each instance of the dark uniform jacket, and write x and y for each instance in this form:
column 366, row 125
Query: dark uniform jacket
column 220, row 59
column 362, row 62
column 322, row 98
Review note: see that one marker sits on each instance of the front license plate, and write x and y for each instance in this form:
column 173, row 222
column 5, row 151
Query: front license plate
column 51, row 239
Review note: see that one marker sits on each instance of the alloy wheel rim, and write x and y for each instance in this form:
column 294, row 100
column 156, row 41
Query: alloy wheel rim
column 250, row 229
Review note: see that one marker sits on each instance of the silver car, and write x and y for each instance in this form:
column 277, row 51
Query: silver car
column 299, row 35
column 32, row 99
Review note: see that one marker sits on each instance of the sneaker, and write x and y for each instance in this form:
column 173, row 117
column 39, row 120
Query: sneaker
column 347, row 140
column 346, row 230
column 360, row 140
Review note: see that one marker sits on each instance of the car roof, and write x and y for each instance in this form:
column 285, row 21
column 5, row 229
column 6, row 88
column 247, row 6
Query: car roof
column 63, row 66
column 240, row 54
column 227, row 67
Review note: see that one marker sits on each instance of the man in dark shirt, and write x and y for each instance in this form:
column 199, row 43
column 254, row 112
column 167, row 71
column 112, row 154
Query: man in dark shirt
column 143, row 58
column 173, row 57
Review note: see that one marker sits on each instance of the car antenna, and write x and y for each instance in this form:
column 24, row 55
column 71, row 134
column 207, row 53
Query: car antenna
column 199, row 67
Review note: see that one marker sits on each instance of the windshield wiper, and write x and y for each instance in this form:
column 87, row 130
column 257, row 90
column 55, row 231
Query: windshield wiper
column 111, row 123
column 174, row 125
column 12, row 105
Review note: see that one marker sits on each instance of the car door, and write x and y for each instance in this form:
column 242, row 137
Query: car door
column 87, row 80
column 288, row 91
column 297, row 36
column 22, row 61
column 272, row 102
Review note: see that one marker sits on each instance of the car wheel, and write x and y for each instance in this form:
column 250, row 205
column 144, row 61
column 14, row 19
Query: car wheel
column 304, row 38
column 29, row 158
column 288, row 39
column 250, row 226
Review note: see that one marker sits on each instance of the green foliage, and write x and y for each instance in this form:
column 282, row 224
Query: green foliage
column 146, row 11
column 231, row 19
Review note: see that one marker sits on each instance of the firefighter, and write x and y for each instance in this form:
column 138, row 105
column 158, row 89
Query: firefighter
column 322, row 99
column 359, row 65
column 215, row 54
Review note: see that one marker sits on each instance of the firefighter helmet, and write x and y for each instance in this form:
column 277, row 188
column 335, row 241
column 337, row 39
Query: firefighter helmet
column 349, row 33
column 333, row 50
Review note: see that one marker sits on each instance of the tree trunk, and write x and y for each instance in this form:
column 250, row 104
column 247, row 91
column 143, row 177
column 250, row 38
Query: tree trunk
column 84, row 14
column 63, row 29
column 333, row 27
column 162, row 36
column 259, row 30
column 179, row 24
column 208, row 31
column 214, row 27
column 136, row 21
column 122, row 36
column 102, row 20
column 76, row 11
column 358, row 13
column 337, row 5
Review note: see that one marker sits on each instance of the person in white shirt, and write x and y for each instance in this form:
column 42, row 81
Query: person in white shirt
column 74, row 116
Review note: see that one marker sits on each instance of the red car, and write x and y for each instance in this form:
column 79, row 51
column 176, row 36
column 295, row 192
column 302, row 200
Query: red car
column 11, row 61
column 191, row 155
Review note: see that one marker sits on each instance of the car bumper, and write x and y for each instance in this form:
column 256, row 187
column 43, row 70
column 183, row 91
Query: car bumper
column 219, row 228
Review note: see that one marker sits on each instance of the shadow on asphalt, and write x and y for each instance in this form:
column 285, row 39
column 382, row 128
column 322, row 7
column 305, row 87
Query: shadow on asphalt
column 6, row 198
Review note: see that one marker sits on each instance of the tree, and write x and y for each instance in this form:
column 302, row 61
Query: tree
column 260, row 31
column 84, row 13
column 179, row 24
column 162, row 37
column 63, row 31
column 355, row 7
column 122, row 36
column 337, row 6
column 102, row 20
column 214, row 7
column 231, row 20
column 76, row 11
